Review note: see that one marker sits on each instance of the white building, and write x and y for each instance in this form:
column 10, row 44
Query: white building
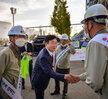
column 4, row 28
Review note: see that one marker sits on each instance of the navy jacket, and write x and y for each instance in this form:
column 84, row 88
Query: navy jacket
column 29, row 48
column 42, row 71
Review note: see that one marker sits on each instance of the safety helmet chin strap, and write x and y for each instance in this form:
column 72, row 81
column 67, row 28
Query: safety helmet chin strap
column 13, row 40
column 89, row 30
column 15, row 44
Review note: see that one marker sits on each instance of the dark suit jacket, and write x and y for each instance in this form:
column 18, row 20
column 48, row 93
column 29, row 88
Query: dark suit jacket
column 29, row 48
column 42, row 71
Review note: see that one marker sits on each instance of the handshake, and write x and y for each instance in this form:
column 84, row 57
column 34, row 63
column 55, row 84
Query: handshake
column 72, row 78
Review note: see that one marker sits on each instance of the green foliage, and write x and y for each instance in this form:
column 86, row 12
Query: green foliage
column 61, row 18
column 32, row 37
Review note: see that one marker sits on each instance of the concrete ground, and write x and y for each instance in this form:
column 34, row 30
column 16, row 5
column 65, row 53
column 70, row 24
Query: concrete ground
column 75, row 91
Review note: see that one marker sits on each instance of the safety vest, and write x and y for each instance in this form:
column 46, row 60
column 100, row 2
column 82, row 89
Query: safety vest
column 84, row 45
column 25, row 66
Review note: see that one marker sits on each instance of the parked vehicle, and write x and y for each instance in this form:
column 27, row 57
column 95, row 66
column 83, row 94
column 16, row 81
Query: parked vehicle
column 38, row 44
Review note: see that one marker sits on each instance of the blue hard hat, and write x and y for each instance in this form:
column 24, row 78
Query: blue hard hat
column 17, row 30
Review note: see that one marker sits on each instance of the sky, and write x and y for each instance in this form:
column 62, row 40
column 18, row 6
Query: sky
column 38, row 12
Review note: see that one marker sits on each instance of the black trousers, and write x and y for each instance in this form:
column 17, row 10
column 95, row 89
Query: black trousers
column 57, row 83
column 30, row 72
column 39, row 93
column 1, row 96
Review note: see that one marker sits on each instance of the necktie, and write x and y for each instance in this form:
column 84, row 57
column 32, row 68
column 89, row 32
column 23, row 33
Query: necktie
column 51, row 58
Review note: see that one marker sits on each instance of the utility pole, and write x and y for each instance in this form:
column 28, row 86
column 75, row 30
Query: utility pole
column 13, row 12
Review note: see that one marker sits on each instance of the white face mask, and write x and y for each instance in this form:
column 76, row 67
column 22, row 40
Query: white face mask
column 87, row 35
column 20, row 42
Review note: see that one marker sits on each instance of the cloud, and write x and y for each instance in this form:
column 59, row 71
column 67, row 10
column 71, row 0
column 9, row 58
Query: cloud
column 33, row 4
column 3, row 6
column 38, row 12
column 76, row 10
column 23, row 4
column 26, row 9
column 35, row 17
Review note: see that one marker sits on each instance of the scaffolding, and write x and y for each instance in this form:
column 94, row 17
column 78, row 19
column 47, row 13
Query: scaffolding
column 46, row 30
column 92, row 2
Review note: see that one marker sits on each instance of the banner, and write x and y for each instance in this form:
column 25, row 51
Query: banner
column 79, row 55
column 75, row 44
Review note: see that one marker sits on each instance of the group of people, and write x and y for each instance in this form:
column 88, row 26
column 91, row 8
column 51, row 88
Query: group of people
column 53, row 62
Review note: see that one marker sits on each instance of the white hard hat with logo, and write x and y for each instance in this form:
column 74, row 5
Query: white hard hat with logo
column 16, row 30
column 97, row 10
column 84, row 38
column 64, row 37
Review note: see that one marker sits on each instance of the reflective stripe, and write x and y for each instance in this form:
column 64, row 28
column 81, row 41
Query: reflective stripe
column 11, row 90
column 61, row 54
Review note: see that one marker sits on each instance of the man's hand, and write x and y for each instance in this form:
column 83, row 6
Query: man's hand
column 24, row 53
column 54, row 69
column 29, row 53
column 72, row 78
column 75, row 77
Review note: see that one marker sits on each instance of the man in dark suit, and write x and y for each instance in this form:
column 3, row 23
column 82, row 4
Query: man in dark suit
column 27, row 49
column 43, row 69
column 1, row 96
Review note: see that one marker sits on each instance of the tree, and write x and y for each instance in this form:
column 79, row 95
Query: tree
column 61, row 18
column 32, row 37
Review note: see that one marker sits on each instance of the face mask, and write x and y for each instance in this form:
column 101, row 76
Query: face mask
column 26, row 41
column 20, row 42
column 87, row 35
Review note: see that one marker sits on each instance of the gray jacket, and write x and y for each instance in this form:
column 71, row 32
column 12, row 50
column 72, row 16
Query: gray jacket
column 9, row 67
column 96, row 66
column 64, row 62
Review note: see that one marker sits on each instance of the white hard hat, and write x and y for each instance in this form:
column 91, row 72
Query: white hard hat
column 64, row 37
column 97, row 10
column 84, row 38
column 16, row 30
